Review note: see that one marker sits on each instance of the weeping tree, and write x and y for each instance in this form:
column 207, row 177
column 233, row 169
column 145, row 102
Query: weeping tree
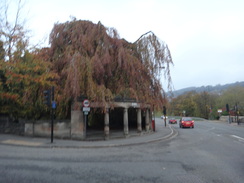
column 91, row 60
column 154, row 56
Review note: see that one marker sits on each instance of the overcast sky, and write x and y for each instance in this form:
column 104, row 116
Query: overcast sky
column 205, row 37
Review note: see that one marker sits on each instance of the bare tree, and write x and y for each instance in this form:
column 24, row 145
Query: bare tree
column 12, row 32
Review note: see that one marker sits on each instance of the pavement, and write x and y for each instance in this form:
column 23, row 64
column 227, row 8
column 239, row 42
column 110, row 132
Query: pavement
column 116, row 139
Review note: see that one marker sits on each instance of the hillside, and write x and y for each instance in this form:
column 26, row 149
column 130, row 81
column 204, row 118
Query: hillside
column 211, row 89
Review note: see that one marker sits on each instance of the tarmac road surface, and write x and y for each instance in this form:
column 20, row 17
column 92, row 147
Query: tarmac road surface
column 211, row 152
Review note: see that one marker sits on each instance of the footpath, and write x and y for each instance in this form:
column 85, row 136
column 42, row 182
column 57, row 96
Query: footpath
column 161, row 133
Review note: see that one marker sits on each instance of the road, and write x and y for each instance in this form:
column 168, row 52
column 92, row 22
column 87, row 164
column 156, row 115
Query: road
column 210, row 153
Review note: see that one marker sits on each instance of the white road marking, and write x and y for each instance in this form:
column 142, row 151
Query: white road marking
column 239, row 138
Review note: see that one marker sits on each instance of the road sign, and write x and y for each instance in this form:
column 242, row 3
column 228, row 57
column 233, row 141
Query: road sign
column 86, row 103
column 54, row 105
column 86, row 109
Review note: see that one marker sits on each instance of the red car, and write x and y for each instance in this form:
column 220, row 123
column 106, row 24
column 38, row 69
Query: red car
column 172, row 121
column 186, row 122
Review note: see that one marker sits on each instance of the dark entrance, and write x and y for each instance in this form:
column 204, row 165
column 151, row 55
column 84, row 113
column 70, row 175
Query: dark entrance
column 95, row 125
column 132, row 118
column 116, row 119
column 143, row 119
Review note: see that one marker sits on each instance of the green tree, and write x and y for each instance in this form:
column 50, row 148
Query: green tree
column 23, row 74
column 233, row 96
column 206, row 104
column 195, row 104
column 185, row 102
column 22, row 85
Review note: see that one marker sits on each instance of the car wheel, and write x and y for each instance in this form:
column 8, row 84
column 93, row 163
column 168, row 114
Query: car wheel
column 192, row 126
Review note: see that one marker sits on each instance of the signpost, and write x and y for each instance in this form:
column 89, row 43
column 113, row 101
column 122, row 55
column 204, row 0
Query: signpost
column 86, row 109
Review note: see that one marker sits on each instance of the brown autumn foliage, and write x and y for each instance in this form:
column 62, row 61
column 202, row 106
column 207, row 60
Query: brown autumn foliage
column 85, row 59
column 91, row 60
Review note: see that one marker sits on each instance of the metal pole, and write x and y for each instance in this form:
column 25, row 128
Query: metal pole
column 154, row 129
column 85, row 125
column 229, row 118
column 52, row 126
column 52, row 115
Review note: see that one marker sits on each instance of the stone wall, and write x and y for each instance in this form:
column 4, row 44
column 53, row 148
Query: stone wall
column 10, row 127
column 41, row 128
column 61, row 129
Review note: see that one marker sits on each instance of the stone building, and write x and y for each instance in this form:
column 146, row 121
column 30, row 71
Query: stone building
column 143, row 113
column 77, row 127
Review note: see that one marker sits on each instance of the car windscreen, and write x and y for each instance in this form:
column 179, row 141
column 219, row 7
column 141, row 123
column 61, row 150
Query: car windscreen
column 187, row 119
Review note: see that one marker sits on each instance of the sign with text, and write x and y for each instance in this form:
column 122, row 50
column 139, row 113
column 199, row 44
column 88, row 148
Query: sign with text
column 86, row 109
